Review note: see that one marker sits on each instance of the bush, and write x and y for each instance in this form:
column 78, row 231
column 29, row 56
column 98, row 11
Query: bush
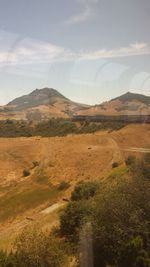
column 133, row 254
column 3, row 259
column 84, row 190
column 36, row 248
column 72, row 219
column 63, row 185
column 26, row 172
column 118, row 215
column 115, row 164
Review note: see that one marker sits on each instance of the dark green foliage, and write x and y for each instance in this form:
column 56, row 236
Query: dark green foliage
column 10, row 128
column 119, row 216
column 72, row 219
column 134, row 255
column 63, row 185
column 26, row 172
column 84, row 190
column 35, row 248
column 52, row 127
column 115, row 164
column 3, row 259
column 55, row 127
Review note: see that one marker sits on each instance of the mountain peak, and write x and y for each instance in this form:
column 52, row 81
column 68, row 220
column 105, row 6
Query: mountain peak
column 129, row 96
column 45, row 96
column 50, row 92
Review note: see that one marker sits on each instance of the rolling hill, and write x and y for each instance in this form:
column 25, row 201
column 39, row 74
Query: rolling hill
column 46, row 103
column 127, row 104
column 39, row 105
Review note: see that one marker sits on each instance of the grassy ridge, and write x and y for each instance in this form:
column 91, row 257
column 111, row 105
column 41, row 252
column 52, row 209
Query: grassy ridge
column 53, row 127
column 18, row 201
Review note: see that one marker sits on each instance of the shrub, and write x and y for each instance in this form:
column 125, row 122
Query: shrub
column 36, row 248
column 118, row 216
column 133, row 254
column 63, row 185
column 3, row 259
column 84, row 190
column 115, row 164
column 26, row 172
column 72, row 219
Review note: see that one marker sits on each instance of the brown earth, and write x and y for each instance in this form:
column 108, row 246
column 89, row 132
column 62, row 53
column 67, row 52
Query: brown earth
column 72, row 158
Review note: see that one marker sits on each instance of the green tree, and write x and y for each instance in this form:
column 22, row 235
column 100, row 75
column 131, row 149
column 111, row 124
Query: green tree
column 84, row 190
column 134, row 255
column 38, row 249
column 73, row 218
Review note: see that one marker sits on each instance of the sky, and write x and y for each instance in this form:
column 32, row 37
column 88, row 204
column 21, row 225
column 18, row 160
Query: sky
column 89, row 50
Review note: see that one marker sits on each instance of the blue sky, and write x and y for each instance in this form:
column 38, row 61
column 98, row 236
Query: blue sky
column 89, row 50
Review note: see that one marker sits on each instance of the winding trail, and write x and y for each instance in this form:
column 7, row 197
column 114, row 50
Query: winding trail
column 52, row 208
column 137, row 149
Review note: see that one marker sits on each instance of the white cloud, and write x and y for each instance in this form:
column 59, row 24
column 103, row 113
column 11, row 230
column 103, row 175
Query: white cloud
column 86, row 13
column 131, row 50
column 139, row 45
column 31, row 51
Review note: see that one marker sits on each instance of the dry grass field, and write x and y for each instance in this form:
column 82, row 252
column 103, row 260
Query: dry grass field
column 73, row 158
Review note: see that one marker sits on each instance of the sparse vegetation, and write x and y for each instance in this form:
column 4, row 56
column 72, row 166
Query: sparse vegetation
column 115, row 165
column 84, row 191
column 18, row 201
column 53, row 127
column 26, row 172
column 63, row 185
column 34, row 248
column 117, row 219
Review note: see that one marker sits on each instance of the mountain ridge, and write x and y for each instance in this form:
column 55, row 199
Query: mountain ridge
column 46, row 103
column 46, row 96
column 133, row 96
column 40, row 104
column 126, row 104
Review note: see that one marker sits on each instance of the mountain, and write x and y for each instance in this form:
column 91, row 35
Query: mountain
column 46, row 103
column 126, row 104
column 45, row 96
column 40, row 104
column 132, row 96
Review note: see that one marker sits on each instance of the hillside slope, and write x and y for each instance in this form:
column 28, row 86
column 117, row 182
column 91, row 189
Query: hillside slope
column 51, row 161
column 127, row 104
column 38, row 105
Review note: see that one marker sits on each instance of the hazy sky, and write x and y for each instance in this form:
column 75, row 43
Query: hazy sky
column 89, row 50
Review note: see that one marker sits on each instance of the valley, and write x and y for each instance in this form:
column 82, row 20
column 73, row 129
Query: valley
column 52, row 162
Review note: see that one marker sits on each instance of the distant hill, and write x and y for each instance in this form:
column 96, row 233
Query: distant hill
column 39, row 105
column 126, row 104
column 45, row 96
column 46, row 103
column 132, row 96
